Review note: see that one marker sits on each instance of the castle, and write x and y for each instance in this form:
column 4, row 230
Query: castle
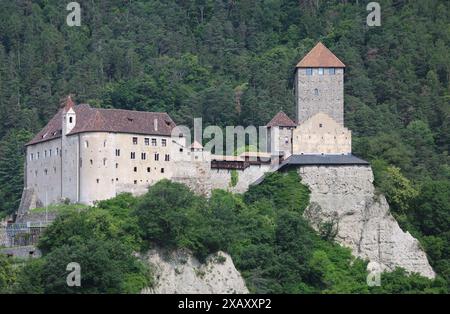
column 85, row 154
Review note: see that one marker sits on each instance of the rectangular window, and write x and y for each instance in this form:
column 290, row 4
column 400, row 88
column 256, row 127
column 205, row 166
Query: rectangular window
column 135, row 181
column 156, row 157
column 308, row 71
column 147, row 141
column 143, row 156
column 135, row 140
column 50, row 153
column 148, row 169
column 45, row 153
column 162, row 170
column 37, row 155
column 31, row 156
column 135, row 169
column 153, row 141
column 332, row 71
column 164, row 142
column 117, row 152
column 133, row 155
column 320, row 71
column 167, row 157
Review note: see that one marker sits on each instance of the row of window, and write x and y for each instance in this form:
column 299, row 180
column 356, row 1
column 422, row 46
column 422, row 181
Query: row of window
column 47, row 153
column 321, row 71
column 144, row 156
column 154, row 141
column 135, row 181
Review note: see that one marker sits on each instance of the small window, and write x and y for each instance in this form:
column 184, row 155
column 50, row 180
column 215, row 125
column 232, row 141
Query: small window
column 135, row 169
column 38, row 155
column 316, row 92
column 164, row 142
column 117, row 165
column 320, row 125
column 133, row 155
column 45, row 154
column 156, row 156
column 45, row 171
column 162, row 170
column 148, row 169
column 332, row 71
column 50, row 153
column 181, row 150
column 147, row 141
column 86, row 144
column 286, row 140
column 31, row 156
column 320, row 71
column 104, row 143
column 309, row 71
column 167, row 157
column 91, row 161
column 135, row 181
column 70, row 120
column 117, row 152
column 135, row 140
column 104, row 161
column 153, row 141
column 57, row 151
column 98, row 180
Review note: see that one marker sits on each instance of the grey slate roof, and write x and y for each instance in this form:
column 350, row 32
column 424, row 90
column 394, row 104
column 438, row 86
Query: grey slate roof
column 305, row 160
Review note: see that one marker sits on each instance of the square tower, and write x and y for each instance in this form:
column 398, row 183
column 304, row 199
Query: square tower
column 319, row 85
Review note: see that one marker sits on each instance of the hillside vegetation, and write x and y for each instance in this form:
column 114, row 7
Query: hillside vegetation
column 231, row 62
column 263, row 230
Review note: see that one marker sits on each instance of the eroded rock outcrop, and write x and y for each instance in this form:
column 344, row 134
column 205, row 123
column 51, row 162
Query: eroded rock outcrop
column 344, row 196
column 180, row 272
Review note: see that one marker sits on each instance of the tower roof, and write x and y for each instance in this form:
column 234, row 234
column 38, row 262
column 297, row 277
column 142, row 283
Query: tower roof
column 320, row 57
column 281, row 119
column 196, row 145
column 67, row 103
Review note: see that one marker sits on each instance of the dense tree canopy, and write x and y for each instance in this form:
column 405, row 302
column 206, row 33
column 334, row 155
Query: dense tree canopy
column 231, row 62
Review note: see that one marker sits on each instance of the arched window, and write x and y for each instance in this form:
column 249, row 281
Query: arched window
column 316, row 92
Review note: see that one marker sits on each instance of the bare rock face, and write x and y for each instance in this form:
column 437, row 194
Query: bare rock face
column 179, row 272
column 344, row 203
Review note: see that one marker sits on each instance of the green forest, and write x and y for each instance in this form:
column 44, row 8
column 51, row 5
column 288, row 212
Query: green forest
column 232, row 62
column 270, row 242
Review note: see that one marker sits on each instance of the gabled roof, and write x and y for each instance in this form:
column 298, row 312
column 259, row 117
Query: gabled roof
column 281, row 119
column 90, row 119
column 320, row 57
column 196, row 145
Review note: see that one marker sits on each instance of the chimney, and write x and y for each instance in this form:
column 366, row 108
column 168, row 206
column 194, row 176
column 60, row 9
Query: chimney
column 155, row 124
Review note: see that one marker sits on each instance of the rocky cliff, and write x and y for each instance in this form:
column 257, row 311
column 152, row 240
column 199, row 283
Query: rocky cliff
column 344, row 197
column 180, row 272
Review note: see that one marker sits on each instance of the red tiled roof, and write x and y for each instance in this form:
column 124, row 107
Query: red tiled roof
column 281, row 119
column 108, row 120
column 320, row 56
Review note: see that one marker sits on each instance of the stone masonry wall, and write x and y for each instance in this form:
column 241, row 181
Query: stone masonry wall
column 346, row 195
